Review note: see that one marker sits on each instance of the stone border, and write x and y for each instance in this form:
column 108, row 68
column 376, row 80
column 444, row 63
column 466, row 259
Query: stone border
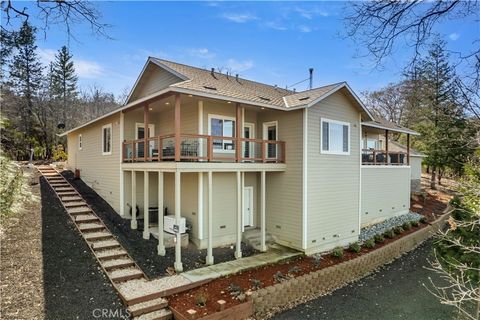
column 293, row 292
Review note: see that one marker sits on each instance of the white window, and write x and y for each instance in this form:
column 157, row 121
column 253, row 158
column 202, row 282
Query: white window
column 107, row 139
column 222, row 126
column 80, row 142
column 335, row 137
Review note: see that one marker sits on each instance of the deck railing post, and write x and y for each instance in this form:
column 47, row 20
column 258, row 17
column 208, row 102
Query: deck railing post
column 177, row 127
column 263, row 147
column 146, row 133
column 160, row 149
column 134, row 150
column 209, row 148
column 374, row 157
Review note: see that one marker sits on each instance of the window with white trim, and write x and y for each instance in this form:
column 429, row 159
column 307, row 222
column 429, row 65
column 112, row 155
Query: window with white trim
column 107, row 139
column 80, row 142
column 334, row 137
column 222, row 126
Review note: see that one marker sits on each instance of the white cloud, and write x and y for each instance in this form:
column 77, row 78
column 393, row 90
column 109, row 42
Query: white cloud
column 203, row 53
column 311, row 13
column 275, row 25
column 239, row 66
column 454, row 36
column 83, row 68
column 239, row 17
column 304, row 29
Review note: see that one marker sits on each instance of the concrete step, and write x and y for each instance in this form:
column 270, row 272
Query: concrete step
column 70, row 198
column 147, row 307
column 105, row 244
column 63, row 189
column 122, row 275
column 96, row 236
column 85, row 218
column 163, row 314
column 75, row 204
column 120, row 263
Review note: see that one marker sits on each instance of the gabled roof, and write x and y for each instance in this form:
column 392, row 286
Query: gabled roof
column 395, row 146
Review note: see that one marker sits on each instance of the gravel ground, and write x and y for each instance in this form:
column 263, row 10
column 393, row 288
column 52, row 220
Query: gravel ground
column 379, row 228
column 395, row 291
column 144, row 252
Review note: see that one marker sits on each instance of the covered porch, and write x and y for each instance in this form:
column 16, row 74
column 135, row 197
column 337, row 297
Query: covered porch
column 218, row 202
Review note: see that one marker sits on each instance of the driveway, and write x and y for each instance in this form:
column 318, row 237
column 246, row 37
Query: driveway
column 396, row 291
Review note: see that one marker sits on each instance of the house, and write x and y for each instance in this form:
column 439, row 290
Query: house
column 229, row 154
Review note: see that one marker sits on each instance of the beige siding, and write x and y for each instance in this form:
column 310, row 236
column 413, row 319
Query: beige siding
column 416, row 167
column 100, row 172
column 385, row 192
column 154, row 79
column 284, row 189
column 332, row 180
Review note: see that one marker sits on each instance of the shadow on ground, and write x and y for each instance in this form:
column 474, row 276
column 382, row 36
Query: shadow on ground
column 396, row 291
column 75, row 286
column 144, row 252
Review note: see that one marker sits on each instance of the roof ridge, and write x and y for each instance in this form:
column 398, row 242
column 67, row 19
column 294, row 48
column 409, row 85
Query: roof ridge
column 322, row 87
column 219, row 73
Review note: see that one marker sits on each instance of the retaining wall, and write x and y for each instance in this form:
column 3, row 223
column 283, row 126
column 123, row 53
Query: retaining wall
column 323, row 281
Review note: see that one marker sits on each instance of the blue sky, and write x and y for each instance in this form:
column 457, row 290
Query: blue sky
column 271, row 42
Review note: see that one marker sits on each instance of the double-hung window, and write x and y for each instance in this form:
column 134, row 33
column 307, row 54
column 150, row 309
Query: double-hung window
column 222, row 126
column 335, row 137
column 107, row 139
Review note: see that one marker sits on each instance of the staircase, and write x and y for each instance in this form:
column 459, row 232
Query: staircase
column 252, row 237
column 120, row 268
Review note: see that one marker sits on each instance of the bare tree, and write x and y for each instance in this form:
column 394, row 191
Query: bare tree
column 64, row 13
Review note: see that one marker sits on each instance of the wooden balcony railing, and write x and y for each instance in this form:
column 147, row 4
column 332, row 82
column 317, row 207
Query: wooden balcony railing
column 203, row 148
column 382, row 157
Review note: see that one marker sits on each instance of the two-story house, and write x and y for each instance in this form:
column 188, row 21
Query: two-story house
column 229, row 154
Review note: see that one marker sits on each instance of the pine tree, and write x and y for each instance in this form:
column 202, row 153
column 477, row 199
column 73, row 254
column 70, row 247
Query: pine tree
column 443, row 119
column 26, row 76
column 64, row 80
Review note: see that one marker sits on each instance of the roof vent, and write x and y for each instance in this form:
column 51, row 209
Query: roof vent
column 304, row 98
column 212, row 72
column 210, row 88
column 263, row 98
column 236, row 77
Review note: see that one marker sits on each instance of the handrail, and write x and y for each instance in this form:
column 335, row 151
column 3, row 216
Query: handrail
column 130, row 147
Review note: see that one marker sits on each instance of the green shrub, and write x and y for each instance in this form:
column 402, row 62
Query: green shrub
column 355, row 247
column 369, row 243
column 378, row 238
column 415, row 223
column 389, row 233
column 337, row 252
column 256, row 284
column 398, row 230
column 407, row 226
column 59, row 155
column 423, row 220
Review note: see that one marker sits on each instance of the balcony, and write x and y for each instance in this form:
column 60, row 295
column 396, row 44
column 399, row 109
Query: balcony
column 382, row 157
column 203, row 148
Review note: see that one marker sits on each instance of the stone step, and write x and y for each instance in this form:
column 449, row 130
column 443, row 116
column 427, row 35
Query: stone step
column 147, row 307
column 120, row 263
column 163, row 314
column 105, row 244
column 95, row 236
column 122, row 275
column 84, row 218
column 91, row 227
column 79, row 210
column 109, row 254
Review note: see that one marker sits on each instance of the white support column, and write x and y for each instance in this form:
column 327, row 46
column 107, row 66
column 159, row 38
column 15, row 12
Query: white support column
column 200, row 205
column 161, row 246
column 263, row 247
column 238, row 249
column 178, row 244
column 146, row 222
column 209, row 259
column 122, row 173
column 133, row 222
column 243, row 201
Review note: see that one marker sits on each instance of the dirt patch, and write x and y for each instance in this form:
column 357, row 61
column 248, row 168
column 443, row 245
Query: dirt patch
column 144, row 252
column 21, row 272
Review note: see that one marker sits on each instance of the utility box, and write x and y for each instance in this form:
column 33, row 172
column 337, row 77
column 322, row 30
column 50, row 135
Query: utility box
column 169, row 222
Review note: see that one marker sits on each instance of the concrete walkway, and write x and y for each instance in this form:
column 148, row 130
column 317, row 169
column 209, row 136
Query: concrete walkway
column 275, row 254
